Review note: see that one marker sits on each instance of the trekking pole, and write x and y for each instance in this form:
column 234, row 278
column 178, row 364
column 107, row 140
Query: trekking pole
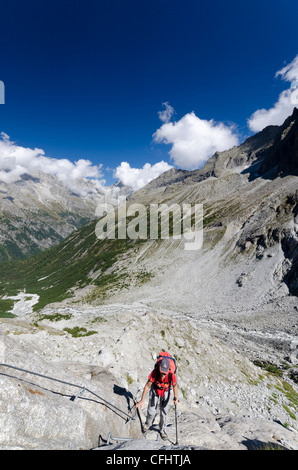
column 176, row 425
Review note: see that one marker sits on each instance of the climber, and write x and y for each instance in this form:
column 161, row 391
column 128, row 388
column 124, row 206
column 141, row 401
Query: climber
column 159, row 382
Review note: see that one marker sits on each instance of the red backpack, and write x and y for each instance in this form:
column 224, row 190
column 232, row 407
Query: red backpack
column 161, row 387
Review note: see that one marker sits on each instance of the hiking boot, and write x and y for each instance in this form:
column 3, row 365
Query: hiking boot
column 163, row 435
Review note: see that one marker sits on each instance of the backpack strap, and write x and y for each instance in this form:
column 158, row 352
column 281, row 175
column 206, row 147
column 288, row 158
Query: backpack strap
column 170, row 379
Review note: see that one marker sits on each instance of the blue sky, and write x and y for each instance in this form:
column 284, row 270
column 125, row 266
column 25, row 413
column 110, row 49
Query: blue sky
column 87, row 79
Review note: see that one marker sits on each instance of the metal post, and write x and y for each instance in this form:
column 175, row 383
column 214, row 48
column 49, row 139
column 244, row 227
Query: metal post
column 176, row 425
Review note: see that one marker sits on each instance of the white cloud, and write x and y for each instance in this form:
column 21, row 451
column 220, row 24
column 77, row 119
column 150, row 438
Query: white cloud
column 194, row 140
column 16, row 161
column 284, row 105
column 167, row 113
column 290, row 71
column 274, row 116
column 136, row 178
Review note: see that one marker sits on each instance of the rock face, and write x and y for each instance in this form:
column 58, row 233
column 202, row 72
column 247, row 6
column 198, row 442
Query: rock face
column 39, row 413
column 283, row 155
column 225, row 433
column 225, row 402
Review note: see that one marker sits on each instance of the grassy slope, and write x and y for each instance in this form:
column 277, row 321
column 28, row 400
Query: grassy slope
column 52, row 273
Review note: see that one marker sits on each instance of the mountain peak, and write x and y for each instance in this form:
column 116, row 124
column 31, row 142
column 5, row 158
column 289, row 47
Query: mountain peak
column 282, row 158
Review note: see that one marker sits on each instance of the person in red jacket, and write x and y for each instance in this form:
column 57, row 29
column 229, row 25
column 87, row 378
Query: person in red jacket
column 159, row 382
